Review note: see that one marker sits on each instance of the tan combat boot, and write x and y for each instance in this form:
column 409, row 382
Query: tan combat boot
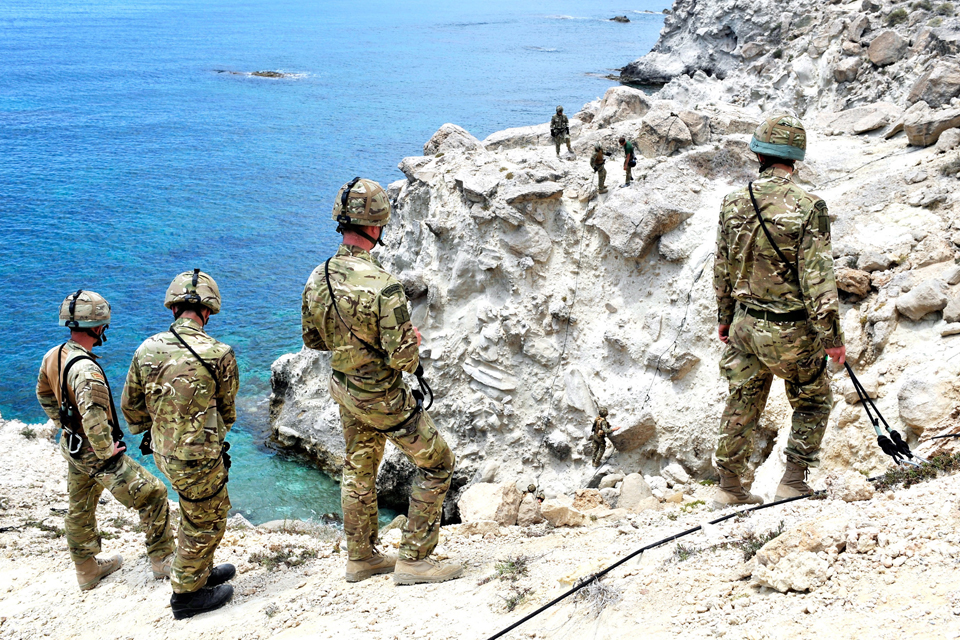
column 376, row 564
column 732, row 492
column 161, row 567
column 92, row 570
column 426, row 570
column 793, row 483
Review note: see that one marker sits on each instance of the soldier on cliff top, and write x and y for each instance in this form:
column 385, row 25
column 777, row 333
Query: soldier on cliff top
column 560, row 130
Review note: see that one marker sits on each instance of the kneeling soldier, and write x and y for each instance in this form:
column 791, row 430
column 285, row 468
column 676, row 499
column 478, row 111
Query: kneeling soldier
column 180, row 393
column 73, row 391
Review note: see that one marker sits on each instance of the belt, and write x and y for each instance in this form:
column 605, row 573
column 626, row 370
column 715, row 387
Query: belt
column 342, row 379
column 791, row 316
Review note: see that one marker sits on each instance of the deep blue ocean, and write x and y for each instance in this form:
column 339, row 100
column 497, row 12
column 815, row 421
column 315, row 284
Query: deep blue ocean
column 130, row 153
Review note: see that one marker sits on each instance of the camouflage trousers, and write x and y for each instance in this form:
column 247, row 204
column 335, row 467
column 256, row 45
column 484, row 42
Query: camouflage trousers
column 204, row 505
column 558, row 140
column 601, row 177
column 133, row 486
column 361, row 415
column 758, row 350
column 599, row 446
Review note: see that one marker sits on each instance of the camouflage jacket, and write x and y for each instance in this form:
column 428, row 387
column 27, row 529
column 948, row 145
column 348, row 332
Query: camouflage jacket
column 373, row 304
column 601, row 429
column 748, row 270
column 169, row 392
column 86, row 391
column 597, row 160
column 559, row 125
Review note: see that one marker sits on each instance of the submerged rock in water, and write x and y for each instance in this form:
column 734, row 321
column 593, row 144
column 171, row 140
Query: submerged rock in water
column 620, row 19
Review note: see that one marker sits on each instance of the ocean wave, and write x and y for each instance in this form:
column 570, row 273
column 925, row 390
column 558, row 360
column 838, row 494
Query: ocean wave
column 543, row 49
column 269, row 74
column 564, row 17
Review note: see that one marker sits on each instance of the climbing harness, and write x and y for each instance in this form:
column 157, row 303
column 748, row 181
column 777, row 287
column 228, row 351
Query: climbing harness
column 894, row 445
column 418, row 394
column 596, row 576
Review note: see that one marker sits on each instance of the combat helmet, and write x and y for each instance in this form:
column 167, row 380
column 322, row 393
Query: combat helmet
column 361, row 202
column 602, row 411
column 560, row 108
column 84, row 310
column 780, row 136
column 194, row 287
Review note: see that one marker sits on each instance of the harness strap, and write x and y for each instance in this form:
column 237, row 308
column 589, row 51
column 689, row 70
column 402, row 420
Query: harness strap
column 70, row 421
column 206, row 365
column 793, row 269
column 336, row 307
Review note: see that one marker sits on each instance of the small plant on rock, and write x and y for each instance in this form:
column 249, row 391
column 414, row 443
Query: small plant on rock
column 897, row 16
column 945, row 9
column 28, row 433
column 753, row 543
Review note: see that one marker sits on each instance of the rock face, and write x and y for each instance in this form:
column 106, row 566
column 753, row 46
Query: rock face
column 937, row 86
column 926, row 298
column 487, row 501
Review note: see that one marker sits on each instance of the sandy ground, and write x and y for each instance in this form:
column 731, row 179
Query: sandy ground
column 709, row 594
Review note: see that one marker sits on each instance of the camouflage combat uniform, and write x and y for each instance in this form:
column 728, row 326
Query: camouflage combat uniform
column 598, row 437
column 171, row 394
column 560, row 131
column 750, row 279
column 373, row 397
column 95, row 469
column 597, row 160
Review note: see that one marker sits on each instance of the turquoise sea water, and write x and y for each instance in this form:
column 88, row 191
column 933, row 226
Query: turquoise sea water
column 127, row 156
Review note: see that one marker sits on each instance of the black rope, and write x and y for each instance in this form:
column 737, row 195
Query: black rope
column 894, row 445
column 596, row 576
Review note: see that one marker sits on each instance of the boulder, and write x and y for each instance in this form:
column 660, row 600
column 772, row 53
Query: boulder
column 529, row 512
column 520, row 194
column 622, row 103
column 479, row 528
column 632, row 491
column 631, row 436
column 938, row 85
column 489, row 501
column 519, row 137
column 634, row 220
column 927, row 297
column 800, row 571
column 813, row 537
column 654, row 68
column 698, row 124
column 949, row 140
column 853, row 281
column 847, row 69
column 675, row 474
column 662, row 133
column 562, row 515
column 887, row 48
column 848, row 486
column 611, row 497
column 924, row 126
column 870, row 382
column 650, row 503
column 477, row 187
column 923, row 398
column 933, row 249
column 586, row 499
column 451, row 137
column 411, row 165
column 870, row 261
column 951, row 313
column 858, row 24
column 860, row 119
column 609, row 481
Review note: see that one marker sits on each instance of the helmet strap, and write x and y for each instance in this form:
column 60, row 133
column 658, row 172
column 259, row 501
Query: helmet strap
column 72, row 323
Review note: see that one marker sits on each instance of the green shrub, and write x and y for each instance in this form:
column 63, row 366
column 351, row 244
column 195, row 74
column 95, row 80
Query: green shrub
column 897, row 16
column 945, row 9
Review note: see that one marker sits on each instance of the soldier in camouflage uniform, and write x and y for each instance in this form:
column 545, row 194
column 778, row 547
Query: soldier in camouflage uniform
column 778, row 310
column 75, row 394
column 355, row 309
column 560, row 130
column 598, row 435
column 597, row 160
column 180, row 394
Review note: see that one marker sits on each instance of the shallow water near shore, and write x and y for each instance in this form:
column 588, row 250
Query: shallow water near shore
column 128, row 153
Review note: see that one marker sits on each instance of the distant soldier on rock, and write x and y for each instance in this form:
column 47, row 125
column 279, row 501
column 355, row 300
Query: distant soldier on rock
column 629, row 159
column 180, row 393
column 560, row 130
column 778, row 310
column 597, row 160
column 598, row 435
column 353, row 308
column 73, row 390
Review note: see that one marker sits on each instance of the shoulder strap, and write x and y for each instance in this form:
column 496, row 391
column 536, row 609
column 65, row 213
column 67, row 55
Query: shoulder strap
column 116, row 433
column 206, row 365
column 793, row 269
column 333, row 298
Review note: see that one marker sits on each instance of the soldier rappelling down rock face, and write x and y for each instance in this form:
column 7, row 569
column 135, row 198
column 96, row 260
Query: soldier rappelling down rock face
column 180, row 394
column 599, row 433
column 560, row 130
column 355, row 309
column 597, row 160
column 75, row 394
column 778, row 310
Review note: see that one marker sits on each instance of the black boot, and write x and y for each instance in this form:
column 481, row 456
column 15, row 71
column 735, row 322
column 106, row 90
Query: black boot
column 187, row 605
column 220, row 574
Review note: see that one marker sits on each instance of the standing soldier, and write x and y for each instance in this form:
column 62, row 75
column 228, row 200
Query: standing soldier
column 73, row 391
column 778, row 310
column 629, row 160
column 180, row 394
column 597, row 161
column 599, row 434
column 355, row 309
column 560, row 130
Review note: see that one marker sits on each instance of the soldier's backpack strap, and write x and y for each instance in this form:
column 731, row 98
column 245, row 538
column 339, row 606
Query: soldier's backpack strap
column 70, row 416
column 793, row 269
column 336, row 307
column 206, row 365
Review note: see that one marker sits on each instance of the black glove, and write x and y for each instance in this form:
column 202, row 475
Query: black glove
column 146, row 443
